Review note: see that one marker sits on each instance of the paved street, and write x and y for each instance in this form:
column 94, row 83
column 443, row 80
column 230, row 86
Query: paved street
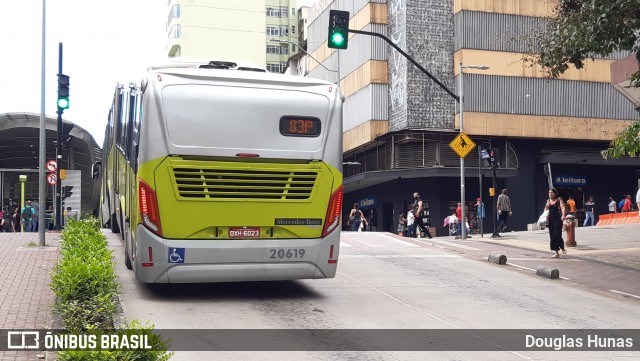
column 385, row 281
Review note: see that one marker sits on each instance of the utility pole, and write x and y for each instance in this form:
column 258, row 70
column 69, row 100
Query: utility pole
column 42, row 157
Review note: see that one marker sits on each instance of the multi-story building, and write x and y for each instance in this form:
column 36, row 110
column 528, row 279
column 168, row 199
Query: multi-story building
column 217, row 29
column 398, row 123
column 261, row 32
column 281, row 33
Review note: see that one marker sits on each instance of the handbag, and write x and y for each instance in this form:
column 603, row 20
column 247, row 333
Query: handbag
column 543, row 220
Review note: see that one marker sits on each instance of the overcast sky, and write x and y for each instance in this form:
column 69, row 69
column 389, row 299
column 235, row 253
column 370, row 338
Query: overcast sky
column 103, row 42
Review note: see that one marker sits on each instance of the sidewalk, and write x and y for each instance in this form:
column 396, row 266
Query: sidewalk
column 25, row 296
column 606, row 258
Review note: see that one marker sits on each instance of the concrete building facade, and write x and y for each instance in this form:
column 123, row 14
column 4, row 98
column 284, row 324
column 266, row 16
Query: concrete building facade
column 398, row 123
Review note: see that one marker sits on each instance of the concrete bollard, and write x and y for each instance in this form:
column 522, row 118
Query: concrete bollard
column 548, row 272
column 497, row 257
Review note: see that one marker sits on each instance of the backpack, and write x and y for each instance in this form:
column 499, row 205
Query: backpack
column 26, row 213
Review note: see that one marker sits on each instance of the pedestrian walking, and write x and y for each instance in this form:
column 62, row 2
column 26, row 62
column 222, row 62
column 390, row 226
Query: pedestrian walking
column 26, row 216
column 588, row 211
column 571, row 203
column 504, row 210
column 419, row 213
column 480, row 214
column 612, row 205
column 626, row 206
column 557, row 212
column 411, row 219
column 356, row 217
column 402, row 224
column 459, row 215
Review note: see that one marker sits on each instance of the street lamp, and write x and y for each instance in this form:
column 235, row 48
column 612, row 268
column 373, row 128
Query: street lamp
column 463, row 218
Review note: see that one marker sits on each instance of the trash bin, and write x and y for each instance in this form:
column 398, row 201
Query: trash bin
column 570, row 227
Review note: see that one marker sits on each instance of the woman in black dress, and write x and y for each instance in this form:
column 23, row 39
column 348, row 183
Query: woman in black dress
column 557, row 212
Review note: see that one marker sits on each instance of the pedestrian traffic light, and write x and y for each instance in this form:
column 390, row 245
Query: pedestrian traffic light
column 63, row 92
column 338, row 29
column 67, row 191
column 492, row 158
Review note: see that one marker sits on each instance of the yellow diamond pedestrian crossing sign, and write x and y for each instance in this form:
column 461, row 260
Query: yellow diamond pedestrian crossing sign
column 462, row 145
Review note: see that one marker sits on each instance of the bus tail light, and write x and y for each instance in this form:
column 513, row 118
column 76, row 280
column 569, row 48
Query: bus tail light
column 332, row 220
column 149, row 208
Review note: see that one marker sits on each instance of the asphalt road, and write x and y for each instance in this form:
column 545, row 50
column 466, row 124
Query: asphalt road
column 385, row 282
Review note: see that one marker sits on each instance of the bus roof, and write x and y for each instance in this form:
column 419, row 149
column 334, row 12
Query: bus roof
column 244, row 70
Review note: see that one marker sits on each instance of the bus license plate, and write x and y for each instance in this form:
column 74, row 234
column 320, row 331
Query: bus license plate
column 244, row 232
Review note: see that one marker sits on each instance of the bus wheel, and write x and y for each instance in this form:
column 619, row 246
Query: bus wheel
column 127, row 258
column 114, row 224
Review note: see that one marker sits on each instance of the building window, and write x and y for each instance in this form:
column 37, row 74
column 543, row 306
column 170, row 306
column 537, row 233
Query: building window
column 174, row 13
column 277, row 12
column 274, row 68
column 293, row 29
column 273, row 30
column 174, row 32
column 284, row 30
column 284, row 49
column 273, row 49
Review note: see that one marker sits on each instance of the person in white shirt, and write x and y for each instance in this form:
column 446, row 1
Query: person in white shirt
column 612, row 205
column 638, row 200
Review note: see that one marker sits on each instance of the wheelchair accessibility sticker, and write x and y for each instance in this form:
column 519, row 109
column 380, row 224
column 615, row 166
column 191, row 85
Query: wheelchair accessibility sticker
column 176, row 255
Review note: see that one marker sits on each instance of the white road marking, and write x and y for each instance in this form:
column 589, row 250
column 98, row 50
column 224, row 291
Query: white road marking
column 397, row 241
column 456, row 245
column 625, row 294
column 399, row 256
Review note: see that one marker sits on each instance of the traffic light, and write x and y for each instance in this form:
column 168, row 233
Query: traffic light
column 66, row 129
column 67, row 191
column 492, row 158
column 63, row 92
column 338, row 29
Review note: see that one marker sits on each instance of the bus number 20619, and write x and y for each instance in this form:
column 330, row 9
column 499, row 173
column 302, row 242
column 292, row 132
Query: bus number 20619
column 287, row 253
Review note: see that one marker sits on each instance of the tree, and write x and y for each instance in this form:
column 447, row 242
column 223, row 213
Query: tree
column 584, row 28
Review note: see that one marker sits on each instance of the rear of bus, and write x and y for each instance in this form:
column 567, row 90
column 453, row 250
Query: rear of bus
column 239, row 177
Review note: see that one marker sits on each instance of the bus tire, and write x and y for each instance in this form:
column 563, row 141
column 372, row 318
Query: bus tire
column 127, row 258
column 114, row 224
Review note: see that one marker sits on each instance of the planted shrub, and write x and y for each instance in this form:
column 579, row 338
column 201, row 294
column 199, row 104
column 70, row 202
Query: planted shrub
column 86, row 289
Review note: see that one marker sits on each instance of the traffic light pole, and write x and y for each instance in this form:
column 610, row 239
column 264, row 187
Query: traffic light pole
column 59, row 151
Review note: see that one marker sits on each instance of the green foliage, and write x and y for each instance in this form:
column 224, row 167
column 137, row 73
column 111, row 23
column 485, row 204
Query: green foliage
column 627, row 143
column 585, row 28
column 86, row 289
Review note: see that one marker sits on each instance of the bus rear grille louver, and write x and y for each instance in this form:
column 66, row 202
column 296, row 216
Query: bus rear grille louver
column 244, row 184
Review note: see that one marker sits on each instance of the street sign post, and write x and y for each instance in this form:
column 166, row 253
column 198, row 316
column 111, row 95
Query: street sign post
column 52, row 179
column 52, row 165
column 462, row 145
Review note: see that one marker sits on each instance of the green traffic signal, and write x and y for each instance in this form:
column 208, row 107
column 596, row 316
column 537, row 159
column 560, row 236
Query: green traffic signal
column 338, row 29
column 63, row 92
column 63, row 103
column 337, row 39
